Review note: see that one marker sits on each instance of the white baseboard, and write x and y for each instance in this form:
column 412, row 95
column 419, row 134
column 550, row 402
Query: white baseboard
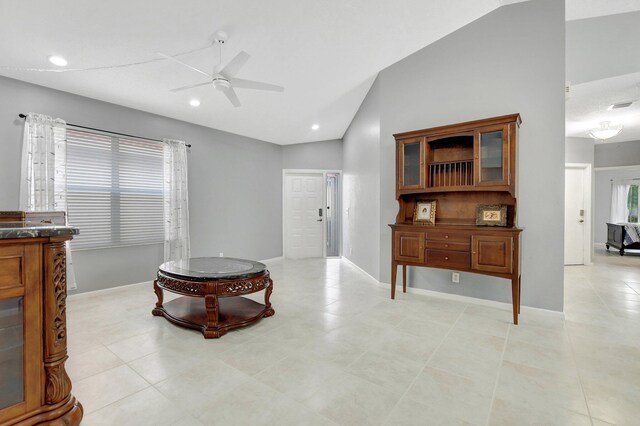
column 273, row 259
column 460, row 298
column 108, row 290
column 360, row 269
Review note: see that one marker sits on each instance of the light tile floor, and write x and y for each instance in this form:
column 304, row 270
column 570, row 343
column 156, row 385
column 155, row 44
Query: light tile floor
column 339, row 351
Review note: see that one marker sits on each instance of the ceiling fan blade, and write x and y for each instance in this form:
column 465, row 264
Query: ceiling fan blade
column 178, row 89
column 235, row 64
column 233, row 98
column 171, row 58
column 250, row 84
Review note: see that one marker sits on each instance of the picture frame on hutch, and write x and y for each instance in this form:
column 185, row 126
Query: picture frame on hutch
column 425, row 212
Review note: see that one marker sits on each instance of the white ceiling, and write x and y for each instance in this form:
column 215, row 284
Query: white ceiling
column 588, row 103
column 325, row 53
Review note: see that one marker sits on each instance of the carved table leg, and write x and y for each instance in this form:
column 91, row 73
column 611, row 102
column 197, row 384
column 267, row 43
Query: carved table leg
column 394, row 272
column 404, row 278
column 157, row 311
column 267, row 294
column 213, row 310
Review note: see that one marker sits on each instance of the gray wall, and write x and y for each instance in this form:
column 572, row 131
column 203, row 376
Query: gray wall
column 324, row 155
column 579, row 150
column 603, row 47
column 229, row 176
column 617, row 154
column 361, row 185
column 499, row 64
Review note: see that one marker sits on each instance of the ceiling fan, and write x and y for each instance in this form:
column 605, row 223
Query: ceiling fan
column 224, row 80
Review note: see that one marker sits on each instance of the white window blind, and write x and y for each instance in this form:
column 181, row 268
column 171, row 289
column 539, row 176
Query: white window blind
column 114, row 190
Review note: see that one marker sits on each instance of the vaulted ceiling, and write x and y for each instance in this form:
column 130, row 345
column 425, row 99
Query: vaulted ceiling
column 325, row 53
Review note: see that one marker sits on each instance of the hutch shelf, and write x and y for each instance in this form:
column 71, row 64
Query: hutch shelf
column 460, row 166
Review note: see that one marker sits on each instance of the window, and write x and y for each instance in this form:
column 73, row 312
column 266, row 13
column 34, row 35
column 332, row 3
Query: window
column 114, row 190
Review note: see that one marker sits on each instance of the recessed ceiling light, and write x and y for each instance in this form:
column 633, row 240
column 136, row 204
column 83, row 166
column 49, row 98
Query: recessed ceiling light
column 58, row 60
column 315, row 127
column 194, row 102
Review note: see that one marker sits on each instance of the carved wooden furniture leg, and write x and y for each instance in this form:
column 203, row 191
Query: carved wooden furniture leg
column 159, row 293
column 404, row 278
column 394, row 272
column 157, row 311
column 267, row 294
column 213, row 309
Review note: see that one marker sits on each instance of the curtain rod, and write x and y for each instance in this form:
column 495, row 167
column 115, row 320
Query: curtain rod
column 188, row 145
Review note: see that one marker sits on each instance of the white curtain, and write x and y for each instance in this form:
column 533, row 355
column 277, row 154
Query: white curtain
column 43, row 183
column 619, row 207
column 176, row 201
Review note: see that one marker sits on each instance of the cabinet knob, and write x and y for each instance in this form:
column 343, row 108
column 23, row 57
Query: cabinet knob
column 446, row 245
column 446, row 258
column 446, row 236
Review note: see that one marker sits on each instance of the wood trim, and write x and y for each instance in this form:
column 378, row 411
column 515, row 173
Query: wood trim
column 461, row 127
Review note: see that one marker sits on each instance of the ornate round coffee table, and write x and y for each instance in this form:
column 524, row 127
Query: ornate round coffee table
column 219, row 280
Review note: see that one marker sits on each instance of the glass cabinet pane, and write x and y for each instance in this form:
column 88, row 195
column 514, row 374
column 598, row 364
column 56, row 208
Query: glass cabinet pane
column 11, row 352
column 411, row 161
column 491, row 157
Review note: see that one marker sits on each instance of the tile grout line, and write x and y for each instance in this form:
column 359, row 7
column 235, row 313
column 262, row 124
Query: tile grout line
column 426, row 364
column 575, row 362
column 495, row 385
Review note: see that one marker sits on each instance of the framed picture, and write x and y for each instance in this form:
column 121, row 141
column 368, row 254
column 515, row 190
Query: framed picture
column 491, row 215
column 425, row 212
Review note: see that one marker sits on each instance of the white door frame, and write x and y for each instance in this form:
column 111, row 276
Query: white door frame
column 324, row 172
column 587, row 189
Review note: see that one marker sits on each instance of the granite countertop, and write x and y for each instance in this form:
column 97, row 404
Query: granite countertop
column 212, row 268
column 28, row 230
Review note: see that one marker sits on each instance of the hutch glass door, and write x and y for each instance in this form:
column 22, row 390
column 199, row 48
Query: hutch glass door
column 492, row 156
column 411, row 164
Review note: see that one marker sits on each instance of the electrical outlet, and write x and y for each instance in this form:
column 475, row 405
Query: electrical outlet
column 455, row 277
column 221, row 254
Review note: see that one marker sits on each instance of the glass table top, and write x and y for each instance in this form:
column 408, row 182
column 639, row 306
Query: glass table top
column 211, row 268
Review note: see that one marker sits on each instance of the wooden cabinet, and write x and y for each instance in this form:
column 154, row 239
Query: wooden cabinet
column 409, row 246
column 459, row 166
column 492, row 253
column 34, row 386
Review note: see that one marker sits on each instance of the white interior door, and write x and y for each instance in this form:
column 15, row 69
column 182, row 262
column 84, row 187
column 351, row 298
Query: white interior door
column 303, row 212
column 574, row 216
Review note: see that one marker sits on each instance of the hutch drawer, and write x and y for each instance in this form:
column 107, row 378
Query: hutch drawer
column 449, row 245
column 448, row 259
column 442, row 235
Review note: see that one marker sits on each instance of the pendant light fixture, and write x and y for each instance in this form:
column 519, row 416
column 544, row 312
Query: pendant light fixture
column 605, row 131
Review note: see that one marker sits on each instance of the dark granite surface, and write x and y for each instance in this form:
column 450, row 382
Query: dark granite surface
column 212, row 268
column 22, row 230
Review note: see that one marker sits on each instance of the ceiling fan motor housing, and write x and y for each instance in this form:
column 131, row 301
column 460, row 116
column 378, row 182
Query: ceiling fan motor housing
column 221, row 84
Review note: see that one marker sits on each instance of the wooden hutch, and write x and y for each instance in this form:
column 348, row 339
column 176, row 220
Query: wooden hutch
column 460, row 166
column 34, row 385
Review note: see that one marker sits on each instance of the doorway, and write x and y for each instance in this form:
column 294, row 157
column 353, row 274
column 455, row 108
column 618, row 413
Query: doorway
column 311, row 213
column 577, row 214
